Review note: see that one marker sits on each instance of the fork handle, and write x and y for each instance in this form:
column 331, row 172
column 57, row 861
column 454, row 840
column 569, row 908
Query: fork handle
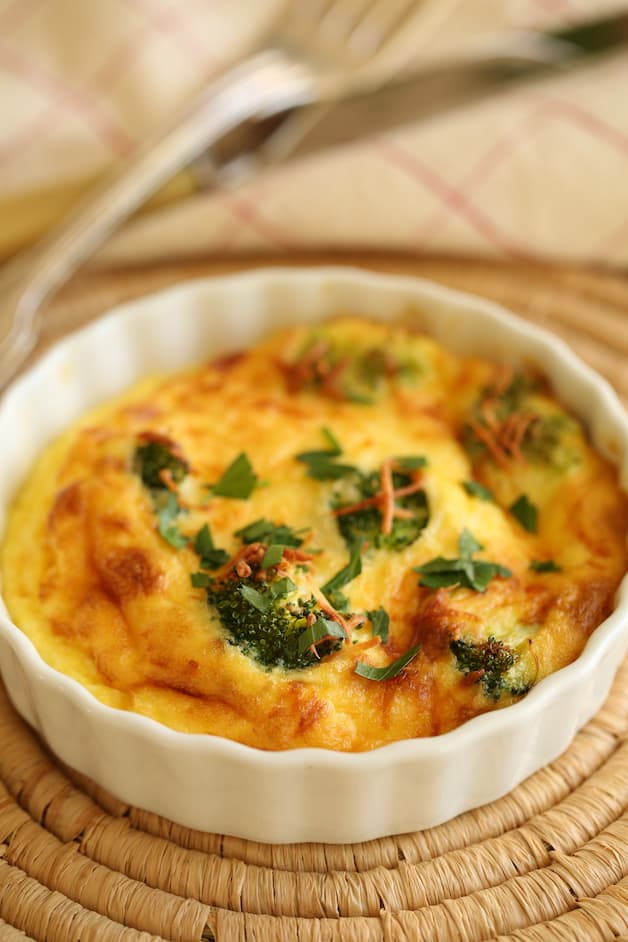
column 264, row 84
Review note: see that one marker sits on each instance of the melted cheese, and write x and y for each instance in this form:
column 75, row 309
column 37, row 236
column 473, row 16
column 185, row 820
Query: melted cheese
column 107, row 600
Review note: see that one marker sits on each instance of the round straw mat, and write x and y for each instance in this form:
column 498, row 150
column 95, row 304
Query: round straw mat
column 547, row 863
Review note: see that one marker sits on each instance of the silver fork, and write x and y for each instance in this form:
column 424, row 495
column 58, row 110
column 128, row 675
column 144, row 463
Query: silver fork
column 322, row 50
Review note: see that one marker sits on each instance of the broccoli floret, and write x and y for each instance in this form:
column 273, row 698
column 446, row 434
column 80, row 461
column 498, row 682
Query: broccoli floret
column 364, row 526
column 263, row 624
column 155, row 456
column 547, row 442
column 493, row 662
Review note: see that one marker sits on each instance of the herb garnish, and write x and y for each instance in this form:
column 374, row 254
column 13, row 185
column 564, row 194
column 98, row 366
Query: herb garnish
column 410, row 462
column 391, row 670
column 323, row 629
column 255, row 598
column 282, row 587
column 380, row 620
column 462, row 571
column 321, row 463
column 263, row 531
column 343, row 577
column 526, row 513
column 545, row 565
column 475, row 489
column 273, row 555
column 211, row 558
column 200, row 580
column 238, row 481
column 166, row 514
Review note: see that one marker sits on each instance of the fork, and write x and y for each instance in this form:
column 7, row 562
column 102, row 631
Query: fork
column 322, row 50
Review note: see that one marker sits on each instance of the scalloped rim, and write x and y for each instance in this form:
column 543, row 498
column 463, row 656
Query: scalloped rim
column 36, row 685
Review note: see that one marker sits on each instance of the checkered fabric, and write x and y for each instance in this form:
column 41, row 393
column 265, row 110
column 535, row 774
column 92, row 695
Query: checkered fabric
column 538, row 171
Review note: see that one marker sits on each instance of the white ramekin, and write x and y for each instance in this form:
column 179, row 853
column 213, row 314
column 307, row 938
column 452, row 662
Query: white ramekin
column 304, row 794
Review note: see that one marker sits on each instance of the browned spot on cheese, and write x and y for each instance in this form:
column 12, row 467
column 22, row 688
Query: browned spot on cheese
column 69, row 502
column 438, row 623
column 126, row 572
column 228, row 361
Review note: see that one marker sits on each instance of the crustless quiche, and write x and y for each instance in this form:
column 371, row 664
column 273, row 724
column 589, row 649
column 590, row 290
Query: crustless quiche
column 342, row 537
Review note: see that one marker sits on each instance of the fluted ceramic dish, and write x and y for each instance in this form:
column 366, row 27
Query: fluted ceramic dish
column 217, row 785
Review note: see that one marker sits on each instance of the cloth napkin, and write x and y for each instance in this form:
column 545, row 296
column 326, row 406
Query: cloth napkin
column 539, row 171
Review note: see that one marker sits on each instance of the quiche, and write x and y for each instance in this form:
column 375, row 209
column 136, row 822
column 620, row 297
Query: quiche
column 342, row 537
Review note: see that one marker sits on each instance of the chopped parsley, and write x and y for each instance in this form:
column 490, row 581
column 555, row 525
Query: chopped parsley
column 544, row 565
column 526, row 513
column 255, row 598
column 463, row 570
column 263, row 531
column 380, row 620
column 411, row 462
column 200, row 580
column 211, row 558
column 273, row 555
column 281, row 587
column 475, row 489
column 238, row 481
column 391, row 670
column 321, row 630
column 343, row 577
column 166, row 515
column 321, row 463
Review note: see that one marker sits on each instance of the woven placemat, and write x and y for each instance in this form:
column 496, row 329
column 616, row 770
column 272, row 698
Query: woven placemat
column 547, row 863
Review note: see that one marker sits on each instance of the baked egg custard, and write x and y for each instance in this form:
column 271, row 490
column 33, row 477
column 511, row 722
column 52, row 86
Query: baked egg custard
column 342, row 537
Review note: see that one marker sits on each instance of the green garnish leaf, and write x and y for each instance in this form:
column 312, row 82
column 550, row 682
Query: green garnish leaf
column 282, row 587
column 391, row 670
column 330, row 438
column 343, row 577
column 411, row 462
column 238, row 481
column 264, row 531
column 165, row 522
column 464, row 571
column 254, row 598
column 273, row 555
column 321, row 466
column 200, row 580
column 545, row 565
column 526, row 513
column 380, row 620
column 322, row 628
column 211, row 557
column 467, row 544
column 475, row 489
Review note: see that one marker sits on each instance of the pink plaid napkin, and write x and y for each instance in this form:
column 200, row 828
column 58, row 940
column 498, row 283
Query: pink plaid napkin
column 538, row 171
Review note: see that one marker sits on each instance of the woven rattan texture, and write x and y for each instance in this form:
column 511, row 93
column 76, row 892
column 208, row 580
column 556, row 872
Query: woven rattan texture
column 547, row 863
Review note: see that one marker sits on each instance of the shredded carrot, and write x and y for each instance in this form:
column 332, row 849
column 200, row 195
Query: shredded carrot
column 388, row 497
column 485, row 436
